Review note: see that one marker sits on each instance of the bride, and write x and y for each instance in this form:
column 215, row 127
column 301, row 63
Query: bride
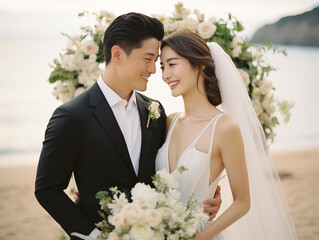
column 220, row 147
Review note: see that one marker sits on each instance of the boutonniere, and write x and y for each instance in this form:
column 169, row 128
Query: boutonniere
column 153, row 111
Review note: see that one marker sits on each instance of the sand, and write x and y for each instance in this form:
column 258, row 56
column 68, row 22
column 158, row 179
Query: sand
column 21, row 217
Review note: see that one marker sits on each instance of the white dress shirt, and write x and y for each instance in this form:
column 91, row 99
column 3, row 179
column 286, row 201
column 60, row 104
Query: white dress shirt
column 128, row 118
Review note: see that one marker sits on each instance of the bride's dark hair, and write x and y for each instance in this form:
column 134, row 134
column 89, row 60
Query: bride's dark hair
column 191, row 46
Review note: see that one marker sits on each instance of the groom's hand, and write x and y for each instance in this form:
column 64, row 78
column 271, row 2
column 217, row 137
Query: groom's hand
column 214, row 204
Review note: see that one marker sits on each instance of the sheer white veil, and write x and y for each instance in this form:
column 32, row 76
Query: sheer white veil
column 269, row 216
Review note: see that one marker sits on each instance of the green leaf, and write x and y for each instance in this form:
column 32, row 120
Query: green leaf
column 102, row 194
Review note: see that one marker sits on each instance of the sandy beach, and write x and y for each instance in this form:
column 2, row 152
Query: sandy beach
column 21, row 217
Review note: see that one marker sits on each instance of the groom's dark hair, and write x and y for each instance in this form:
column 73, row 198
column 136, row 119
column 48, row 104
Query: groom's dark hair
column 128, row 31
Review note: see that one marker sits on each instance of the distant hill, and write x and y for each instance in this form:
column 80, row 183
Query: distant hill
column 302, row 29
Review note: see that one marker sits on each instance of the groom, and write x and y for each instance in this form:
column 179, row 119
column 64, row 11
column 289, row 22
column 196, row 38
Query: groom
column 102, row 136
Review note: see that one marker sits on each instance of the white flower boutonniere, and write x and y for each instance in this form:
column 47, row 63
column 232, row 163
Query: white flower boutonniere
column 153, row 112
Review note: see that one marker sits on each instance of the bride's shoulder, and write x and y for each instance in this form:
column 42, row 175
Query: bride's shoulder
column 227, row 127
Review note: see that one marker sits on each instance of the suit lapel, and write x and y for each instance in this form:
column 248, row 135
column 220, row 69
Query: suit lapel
column 104, row 115
column 146, row 133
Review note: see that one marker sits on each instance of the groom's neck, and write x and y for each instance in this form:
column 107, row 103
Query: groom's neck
column 111, row 78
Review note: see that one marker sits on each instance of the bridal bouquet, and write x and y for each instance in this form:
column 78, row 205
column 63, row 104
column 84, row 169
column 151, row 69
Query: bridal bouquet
column 81, row 62
column 153, row 213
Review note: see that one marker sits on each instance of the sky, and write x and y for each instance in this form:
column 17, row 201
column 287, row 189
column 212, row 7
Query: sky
column 47, row 18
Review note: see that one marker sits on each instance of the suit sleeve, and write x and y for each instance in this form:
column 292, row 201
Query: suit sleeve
column 58, row 159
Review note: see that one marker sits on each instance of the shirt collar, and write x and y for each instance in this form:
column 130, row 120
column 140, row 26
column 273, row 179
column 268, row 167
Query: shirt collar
column 112, row 97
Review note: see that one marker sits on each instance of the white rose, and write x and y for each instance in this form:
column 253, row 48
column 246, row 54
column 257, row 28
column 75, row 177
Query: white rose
column 206, row 29
column 154, row 110
column 93, row 67
column 265, row 86
column 144, row 195
column 117, row 220
column 58, row 88
column 177, row 25
column 256, row 94
column 69, row 86
column 173, row 237
column 245, row 76
column 236, row 51
column 157, row 114
column 65, row 97
column 212, row 19
column 132, row 212
column 161, row 198
column 85, row 65
column 89, row 47
column 191, row 24
column 78, row 57
column 158, row 235
column 201, row 17
column 165, row 212
column 174, row 194
column 167, row 178
column 83, row 78
column 126, row 237
column 258, row 109
column 154, row 106
column 113, row 236
column 141, row 231
column 78, row 91
column 67, row 62
column 153, row 217
column 92, row 58
column 236, row 41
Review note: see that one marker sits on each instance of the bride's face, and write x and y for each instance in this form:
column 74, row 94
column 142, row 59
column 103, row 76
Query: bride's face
column 177, row 72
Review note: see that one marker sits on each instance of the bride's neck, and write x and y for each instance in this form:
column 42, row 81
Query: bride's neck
column 196, row 105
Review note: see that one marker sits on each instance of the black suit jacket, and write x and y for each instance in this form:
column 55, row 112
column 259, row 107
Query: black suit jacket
column 84, row 137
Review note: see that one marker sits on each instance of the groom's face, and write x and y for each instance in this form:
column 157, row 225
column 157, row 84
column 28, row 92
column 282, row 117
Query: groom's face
column 140, row 65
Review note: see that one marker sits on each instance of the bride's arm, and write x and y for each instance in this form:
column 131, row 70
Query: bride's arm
column 231, row 148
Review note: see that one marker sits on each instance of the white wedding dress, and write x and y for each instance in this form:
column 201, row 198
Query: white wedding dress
column 269, row 217
column 197, row 178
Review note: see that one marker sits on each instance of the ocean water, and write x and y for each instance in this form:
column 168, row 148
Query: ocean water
column 26, row 102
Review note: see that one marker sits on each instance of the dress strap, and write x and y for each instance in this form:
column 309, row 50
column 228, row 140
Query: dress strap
column 213, row 133
column 171, row 127
column 207, row 126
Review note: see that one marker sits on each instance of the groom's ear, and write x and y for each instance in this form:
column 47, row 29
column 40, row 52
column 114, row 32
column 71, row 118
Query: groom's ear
column 116, row 53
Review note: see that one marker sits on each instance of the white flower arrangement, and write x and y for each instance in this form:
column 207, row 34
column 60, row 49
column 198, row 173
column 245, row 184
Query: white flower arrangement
column 153, row 213
column 82, row 61
column 153, row 111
